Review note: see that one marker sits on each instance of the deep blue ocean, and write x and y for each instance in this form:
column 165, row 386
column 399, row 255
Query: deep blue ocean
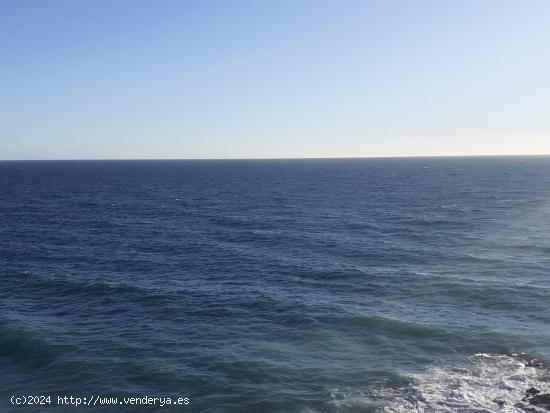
column 275, row 286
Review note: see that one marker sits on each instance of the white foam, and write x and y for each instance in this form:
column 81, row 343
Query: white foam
column 494, row 383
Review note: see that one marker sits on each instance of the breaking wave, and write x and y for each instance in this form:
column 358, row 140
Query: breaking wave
column 492, row 383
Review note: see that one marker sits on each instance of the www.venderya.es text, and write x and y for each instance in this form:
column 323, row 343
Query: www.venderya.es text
column 94, row 400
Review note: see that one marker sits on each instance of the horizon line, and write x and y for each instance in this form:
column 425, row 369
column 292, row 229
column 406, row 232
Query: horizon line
column 277, row 158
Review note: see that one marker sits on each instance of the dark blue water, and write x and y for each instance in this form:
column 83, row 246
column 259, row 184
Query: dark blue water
column 273, row 285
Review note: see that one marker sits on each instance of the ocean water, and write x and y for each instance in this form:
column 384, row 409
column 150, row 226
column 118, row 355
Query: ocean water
column 357, row 285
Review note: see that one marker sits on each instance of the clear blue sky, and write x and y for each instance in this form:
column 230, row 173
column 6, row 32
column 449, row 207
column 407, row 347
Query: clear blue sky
column 238, row 79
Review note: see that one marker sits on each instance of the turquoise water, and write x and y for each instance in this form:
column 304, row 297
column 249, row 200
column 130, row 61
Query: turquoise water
column 277, row 285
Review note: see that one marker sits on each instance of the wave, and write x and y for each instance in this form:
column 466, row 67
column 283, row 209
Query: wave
column 21, row 344
column 537, row 248
column 389, row 326
column 491, row 383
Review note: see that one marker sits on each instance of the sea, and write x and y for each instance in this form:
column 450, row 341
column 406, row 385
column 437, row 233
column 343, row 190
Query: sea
column 275, row 286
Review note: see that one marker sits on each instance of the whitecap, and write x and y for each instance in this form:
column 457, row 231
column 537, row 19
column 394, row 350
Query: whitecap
column 493, row 383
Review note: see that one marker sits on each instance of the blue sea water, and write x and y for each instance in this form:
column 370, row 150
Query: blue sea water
column 343, row 285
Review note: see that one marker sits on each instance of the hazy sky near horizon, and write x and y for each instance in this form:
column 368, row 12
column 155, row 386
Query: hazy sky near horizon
column 238, row 79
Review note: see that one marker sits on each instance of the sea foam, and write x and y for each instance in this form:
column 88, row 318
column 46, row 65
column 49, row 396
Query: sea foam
column 494, row 383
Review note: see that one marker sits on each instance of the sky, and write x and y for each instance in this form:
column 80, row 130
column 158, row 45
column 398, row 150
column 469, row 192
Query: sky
column 103, row 79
